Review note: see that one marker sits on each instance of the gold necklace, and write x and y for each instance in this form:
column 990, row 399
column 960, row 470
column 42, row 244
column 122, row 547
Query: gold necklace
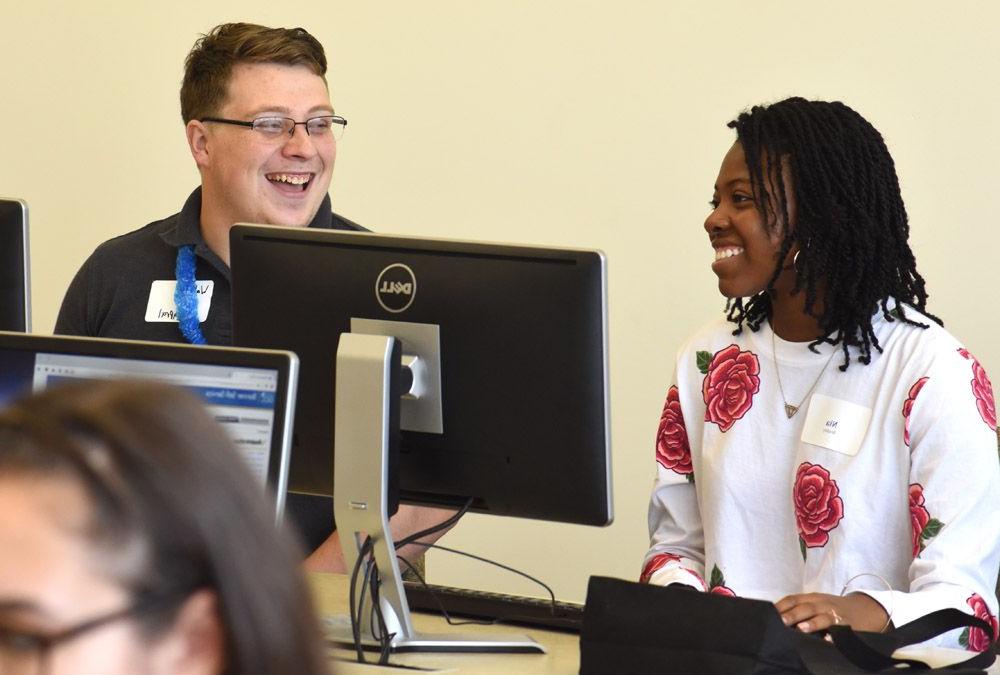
column 790, row 409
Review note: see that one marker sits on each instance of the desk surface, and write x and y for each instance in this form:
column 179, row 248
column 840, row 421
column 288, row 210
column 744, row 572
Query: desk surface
column 563, row 649
column 562, row 655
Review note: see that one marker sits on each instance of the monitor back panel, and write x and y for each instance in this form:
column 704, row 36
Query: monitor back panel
column 15, row 294
column 523, row 347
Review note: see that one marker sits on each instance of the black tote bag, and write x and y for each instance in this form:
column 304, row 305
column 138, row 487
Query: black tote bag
column 631, row 628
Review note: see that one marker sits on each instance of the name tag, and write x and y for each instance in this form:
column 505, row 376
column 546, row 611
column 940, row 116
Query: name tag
column 162, row 308
column 835, row 424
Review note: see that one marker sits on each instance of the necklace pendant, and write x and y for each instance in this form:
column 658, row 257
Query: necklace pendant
column 790, row 410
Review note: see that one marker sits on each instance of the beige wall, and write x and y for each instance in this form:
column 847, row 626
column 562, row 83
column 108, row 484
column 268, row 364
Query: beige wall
column 591, row 124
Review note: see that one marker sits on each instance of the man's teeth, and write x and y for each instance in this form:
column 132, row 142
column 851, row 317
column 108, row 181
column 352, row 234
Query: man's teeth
column 294, row 179
column 723, row 253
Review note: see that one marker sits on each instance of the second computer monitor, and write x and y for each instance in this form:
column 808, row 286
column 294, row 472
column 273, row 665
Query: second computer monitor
column 15, row 296
column 250, row 393
column 521, row 425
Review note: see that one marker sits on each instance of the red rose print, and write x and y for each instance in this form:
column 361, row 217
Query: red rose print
column 982, row 389
column 918, row 516
column 908, row 405
column 729, row 385
column 656, row 562
column 818, row 506
column 976, row 639
column 672, row 449
column 718, row 584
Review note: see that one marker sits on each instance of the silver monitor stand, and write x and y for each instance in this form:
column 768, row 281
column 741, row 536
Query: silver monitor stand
column 363, row 410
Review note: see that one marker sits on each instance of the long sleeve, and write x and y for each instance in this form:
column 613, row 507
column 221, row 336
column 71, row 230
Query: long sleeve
column 954, row 497
column 677, row 542
column 762, row 504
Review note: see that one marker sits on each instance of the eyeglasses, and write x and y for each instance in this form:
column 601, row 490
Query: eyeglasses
column 27, row 653
column 273, row 128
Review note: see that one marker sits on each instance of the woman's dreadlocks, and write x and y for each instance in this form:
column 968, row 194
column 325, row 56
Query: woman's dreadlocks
column 850, row 224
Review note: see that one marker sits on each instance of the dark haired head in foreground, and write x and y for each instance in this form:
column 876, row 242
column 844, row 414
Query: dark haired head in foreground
column 133, row 539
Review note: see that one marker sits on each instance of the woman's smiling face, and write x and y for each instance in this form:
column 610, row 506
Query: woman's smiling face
column 746, row 247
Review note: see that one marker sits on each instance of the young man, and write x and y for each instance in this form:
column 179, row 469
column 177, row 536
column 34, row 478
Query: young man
column 263, row 134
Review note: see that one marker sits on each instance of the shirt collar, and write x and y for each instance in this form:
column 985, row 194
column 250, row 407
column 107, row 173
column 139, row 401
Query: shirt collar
column 186, row 228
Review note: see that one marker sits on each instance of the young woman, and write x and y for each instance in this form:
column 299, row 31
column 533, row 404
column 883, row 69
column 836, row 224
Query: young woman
column 133, row 540
column 827, row 446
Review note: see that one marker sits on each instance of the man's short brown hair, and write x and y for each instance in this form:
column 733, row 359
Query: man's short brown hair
column 210, row 63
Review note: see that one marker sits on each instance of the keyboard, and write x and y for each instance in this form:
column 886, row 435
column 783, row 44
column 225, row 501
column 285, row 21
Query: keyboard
column 484, row 605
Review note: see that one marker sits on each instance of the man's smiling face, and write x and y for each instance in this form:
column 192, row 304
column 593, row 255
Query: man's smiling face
column 247, row 177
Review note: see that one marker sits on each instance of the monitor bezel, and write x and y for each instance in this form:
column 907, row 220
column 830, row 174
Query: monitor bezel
column 242, row 233
column 285, row 363
column 21, row 230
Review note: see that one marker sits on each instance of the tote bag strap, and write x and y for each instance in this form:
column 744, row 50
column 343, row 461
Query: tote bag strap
column 873, row 651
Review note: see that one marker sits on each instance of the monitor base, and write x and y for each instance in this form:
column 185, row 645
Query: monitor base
column 338, row 630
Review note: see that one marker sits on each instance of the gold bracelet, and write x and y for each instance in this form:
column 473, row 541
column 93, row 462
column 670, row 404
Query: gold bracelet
column 888, row 587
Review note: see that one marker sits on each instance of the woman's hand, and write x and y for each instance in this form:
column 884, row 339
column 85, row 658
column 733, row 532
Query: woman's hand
column 810, row 612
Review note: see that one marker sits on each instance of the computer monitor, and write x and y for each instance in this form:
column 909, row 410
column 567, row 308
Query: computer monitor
column 512, row 342
column 523, row 426
column 250, row 392
column 15, row 293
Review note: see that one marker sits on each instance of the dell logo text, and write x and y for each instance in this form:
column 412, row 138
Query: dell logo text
column 395, row 288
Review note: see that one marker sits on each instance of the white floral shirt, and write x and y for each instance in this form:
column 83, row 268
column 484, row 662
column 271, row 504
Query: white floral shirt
column 906, row 490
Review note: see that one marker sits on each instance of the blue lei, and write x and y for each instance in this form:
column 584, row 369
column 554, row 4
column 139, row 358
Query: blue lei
column 186, row 296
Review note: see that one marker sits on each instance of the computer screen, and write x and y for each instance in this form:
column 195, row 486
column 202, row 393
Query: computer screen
column 251, row 393
column 15, row 294
column 520, row 334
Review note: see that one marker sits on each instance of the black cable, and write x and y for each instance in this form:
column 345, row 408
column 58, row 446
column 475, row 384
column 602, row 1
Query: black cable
column 355, row 610
column 359, row 617
column 371, row 586
column 413, row 539
column 444, row 612
column 435, row 528
column 371, row 575
column 552, row 595
column 372, row 580
column 382, row 634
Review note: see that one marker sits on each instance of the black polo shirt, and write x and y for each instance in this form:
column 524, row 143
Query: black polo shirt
column 109, row 294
